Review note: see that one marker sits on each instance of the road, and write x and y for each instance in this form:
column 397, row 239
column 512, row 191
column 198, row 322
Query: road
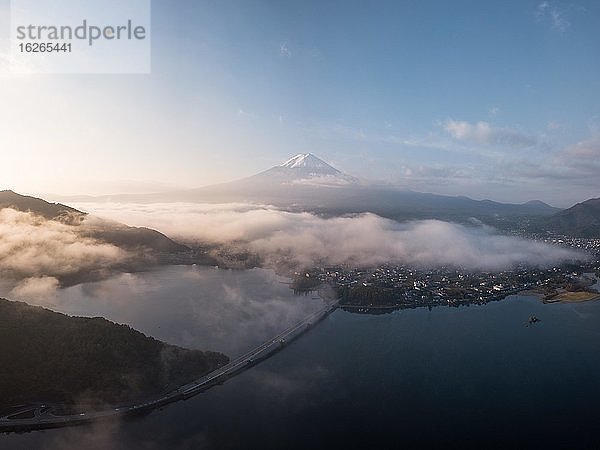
column 40, row 416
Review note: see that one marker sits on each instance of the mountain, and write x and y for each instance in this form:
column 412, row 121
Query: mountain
column 308, row 164
column 308, row 169
column 581, row 220
column 538, row 204
column 107, row 231
column 307, row 183
column 49, row 356
column 51, row 211
column 298, row 175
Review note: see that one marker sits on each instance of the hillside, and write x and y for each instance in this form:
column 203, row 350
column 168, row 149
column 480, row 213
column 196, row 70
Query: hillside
column 48, row 356
column 134, row 238
column 581, row 220
column 129, row 238
column 51, row 211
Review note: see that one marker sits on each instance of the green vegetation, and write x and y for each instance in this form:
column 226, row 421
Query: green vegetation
column 581, row 220
column 304, row 283
column 367, row 296
column 48, row 356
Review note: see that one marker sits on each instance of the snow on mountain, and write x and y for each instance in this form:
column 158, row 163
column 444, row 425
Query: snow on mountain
column 307, row 169
column 310, row 161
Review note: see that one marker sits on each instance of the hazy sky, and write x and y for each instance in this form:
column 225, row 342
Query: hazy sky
column 482, row 98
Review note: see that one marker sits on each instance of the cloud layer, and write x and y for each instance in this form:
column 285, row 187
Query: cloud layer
column 364, row 239
column 31, row 246
column 41, row 290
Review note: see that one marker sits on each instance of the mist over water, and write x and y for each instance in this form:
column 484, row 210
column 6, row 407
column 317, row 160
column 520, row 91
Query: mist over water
column 360, row 239
column 196, row 307
column 32, row 247
column 352, row 379
column 36, row 253
column 469, row 377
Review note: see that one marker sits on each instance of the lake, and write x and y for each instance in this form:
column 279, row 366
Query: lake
column 199, row 307
column 469, row 376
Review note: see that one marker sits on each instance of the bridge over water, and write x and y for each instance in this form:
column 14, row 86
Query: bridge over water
column 40, row 416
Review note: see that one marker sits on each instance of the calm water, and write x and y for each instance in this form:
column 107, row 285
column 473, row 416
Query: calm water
column 472, row 376
column 193, row 306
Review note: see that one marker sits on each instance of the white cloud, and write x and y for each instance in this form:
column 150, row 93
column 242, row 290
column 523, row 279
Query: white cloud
column 363, row 239
column 41, row 290
column 584, row 157
column 284, row 50
column 504, row 164
column 559, row 21
column 31, row 246
column 483, row 133
column 545, row 11
column 541, row 9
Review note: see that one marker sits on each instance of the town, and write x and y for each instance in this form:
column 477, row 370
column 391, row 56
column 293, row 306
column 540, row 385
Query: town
column 388, row 287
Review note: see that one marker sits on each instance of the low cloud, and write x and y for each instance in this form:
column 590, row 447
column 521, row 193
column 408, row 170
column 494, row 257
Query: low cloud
column 252, row 306
column 483, row 133
column 41, row 290
column 280, row 386
column 363, row 239
column 33, row 247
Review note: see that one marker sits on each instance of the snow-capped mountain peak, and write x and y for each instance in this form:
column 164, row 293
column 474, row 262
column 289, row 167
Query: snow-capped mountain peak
column 307, row 169
column 311, row 163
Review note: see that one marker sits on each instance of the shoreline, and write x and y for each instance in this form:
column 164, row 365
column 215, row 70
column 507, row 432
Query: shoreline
column 564, row 297
column 574, row 297
column 450, row 303
column 43, row 417
column 560, row 298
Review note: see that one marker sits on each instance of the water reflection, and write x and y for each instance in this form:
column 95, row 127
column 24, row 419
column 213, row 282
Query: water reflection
column 469, row 377
column 192, row 306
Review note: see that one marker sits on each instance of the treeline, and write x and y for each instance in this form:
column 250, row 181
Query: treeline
column 305, row 283
column 367, row 295
column 48, row 356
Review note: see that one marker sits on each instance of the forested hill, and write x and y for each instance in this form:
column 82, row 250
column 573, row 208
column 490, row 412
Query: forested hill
column 48, row 356
column 107, row 231
column 51, row 211
column 581, row 220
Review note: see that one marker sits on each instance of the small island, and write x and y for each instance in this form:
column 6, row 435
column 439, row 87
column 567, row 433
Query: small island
column 51, row 357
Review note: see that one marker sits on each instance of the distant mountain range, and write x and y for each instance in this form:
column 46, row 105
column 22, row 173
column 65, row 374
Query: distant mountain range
column 307, row 183
column 581, row 220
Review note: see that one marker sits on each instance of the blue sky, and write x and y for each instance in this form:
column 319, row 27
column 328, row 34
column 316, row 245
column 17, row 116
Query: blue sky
column 488, row 99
